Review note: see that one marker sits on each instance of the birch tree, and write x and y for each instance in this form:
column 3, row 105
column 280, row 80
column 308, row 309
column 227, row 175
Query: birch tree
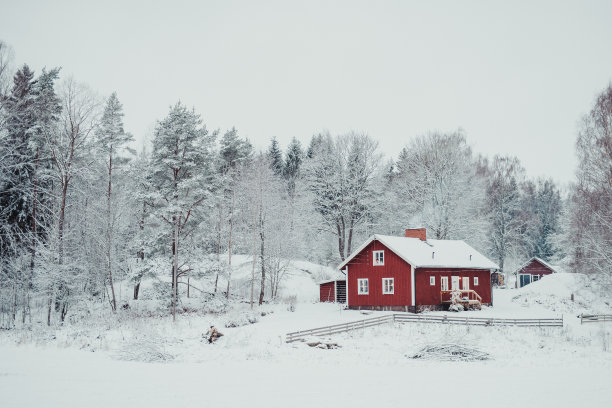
column 112, row 141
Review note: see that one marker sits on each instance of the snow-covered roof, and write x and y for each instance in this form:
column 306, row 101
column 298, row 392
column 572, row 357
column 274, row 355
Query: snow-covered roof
column 433, row 253
column 553, row 268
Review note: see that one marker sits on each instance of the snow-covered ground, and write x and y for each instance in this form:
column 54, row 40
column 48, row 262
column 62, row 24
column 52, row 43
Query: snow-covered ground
column 137, row 361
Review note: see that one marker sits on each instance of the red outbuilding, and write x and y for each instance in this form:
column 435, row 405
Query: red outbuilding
column 333, row 291
column 412, row 273
column 533, row 270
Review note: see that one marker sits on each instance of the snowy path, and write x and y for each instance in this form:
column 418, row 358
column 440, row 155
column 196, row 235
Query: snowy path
column 31, row 377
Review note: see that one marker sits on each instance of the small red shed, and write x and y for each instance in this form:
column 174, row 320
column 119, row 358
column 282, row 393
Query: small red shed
column 333, row 291
column 412, row 273
column 533, row 270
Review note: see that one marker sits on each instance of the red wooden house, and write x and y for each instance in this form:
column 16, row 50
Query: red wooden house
column 533, row 271
column 412, row 273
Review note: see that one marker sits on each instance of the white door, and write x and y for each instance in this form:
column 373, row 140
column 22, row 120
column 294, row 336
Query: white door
column 466, row 283
column 444, row 283
column 455, row 283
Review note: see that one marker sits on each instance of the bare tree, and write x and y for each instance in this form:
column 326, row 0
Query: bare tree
column 436, row 185
column 341, row 174
column 590, row 229
column 80, row 112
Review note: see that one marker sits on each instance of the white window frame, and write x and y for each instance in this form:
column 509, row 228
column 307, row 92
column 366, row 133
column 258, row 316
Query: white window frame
column 444, row 283
column 432, row 281
column 465, row 279
column 385, row 288
column 475, row 280
column 455, row 279
column 535, row 278
column 375, row 262
column 360, row 286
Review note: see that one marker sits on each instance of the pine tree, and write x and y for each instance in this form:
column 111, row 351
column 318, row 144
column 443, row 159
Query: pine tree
column 275, row 156
column 315, row 143
column 293, row 160
column 17, row 161
column 180, row 176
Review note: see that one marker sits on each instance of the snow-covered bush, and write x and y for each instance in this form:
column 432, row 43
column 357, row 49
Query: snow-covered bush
column 241, row 319
column 455, row 306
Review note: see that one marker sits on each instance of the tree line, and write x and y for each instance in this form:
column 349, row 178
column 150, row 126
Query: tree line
column 81, row 209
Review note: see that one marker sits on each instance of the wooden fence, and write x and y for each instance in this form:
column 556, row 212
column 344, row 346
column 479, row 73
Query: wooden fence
column 412, row 318
column 595, row 318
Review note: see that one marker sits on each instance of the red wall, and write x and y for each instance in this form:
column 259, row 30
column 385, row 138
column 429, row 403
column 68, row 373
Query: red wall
column 430, row 295
column 536, row 268
column 362, row 267
column 328, row 292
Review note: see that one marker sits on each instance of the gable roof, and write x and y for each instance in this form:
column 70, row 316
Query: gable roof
column 553, row 268
column 418, row 253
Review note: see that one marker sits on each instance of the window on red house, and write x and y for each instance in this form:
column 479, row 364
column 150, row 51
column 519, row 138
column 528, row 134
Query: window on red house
column 362, row 287
column 388, row 286
column 379, row 258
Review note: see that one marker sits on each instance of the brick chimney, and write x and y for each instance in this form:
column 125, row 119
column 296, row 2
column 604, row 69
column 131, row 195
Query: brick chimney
column 420, row 233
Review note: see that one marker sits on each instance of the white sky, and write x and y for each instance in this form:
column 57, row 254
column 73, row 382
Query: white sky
column 516, row 76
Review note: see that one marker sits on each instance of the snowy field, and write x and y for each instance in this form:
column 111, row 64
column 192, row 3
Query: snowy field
column 151, row 362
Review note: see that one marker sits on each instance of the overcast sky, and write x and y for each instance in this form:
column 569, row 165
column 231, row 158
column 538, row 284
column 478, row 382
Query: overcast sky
column 516, row 76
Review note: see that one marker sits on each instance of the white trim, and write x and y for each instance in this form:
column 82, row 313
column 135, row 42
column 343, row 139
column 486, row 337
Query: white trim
column 346, row 287
column 535, row 278
column 432, row 280
column 392, row 286
column 463, row 280
column 412, row 285
column 359, row 286
column 475, row 280
column 374, row 262
column 335, row 292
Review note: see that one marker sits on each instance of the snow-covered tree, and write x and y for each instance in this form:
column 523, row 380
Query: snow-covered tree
column 590, row 229
column 181, row 171
column 504, row 207
column 265, row 214
column 341, row 176
column 112, row 141
column 275, row 156
column 234, row 152
column 70, row 150
column 436, row 185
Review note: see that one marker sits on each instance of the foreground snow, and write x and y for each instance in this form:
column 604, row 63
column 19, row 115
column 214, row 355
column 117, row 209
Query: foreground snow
column 31, row 377
column 146, row 361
